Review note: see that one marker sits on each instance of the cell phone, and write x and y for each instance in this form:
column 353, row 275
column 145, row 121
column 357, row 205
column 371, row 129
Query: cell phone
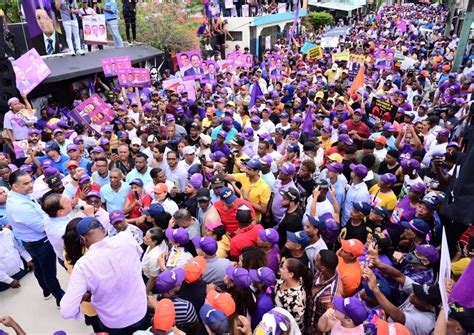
column 115, row 151
column 137, row 196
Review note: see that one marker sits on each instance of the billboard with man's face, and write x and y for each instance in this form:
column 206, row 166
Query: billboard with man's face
column 45, row 31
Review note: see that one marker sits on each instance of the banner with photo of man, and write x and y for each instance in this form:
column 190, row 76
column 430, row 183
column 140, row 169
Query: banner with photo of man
column 43, row 26
column 276, row 68
column 110, row 66
column 178, row 86
column 134, row 77
column 95, row 31
column 30, row 71
column 190, row 64
column 210, row 69
column 226, row 65
column 96, row 110
column 384, row 58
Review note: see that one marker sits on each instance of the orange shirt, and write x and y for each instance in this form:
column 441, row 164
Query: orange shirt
column 351, row 276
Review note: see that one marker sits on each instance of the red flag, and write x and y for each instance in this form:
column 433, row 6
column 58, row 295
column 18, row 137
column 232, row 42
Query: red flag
column 358, row 81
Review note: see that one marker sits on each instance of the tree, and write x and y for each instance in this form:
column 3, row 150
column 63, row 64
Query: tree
column 168, row 26
column 319, row 19
column 11, row 9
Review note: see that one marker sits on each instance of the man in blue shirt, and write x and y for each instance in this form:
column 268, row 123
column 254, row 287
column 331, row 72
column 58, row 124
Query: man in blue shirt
column 53, row 153
column 27, row 219
column 111, row 18
column 114, row 194
column 141, row 170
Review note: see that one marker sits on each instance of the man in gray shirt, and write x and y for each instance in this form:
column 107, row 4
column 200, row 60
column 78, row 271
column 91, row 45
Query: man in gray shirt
column 215, row 270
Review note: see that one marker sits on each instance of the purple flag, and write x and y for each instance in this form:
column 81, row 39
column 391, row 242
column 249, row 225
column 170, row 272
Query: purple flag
column 256, row 92
column 308, row 122
column 295, row 22
column 402, row 26
column 463, row 291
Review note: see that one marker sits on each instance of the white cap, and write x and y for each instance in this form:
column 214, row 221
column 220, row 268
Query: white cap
column 136, row 140
column 189, row 150
column 205, row 139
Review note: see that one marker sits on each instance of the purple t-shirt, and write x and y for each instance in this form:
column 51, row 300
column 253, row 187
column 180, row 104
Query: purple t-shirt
column 403, row 211
column 273, row 258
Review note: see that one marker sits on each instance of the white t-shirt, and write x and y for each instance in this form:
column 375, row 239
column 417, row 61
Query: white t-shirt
column 321, row 208
column 150, row 266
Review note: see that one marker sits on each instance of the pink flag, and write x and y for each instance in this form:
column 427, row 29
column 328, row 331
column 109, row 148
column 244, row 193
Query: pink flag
column 463, row 291
column 402, row 26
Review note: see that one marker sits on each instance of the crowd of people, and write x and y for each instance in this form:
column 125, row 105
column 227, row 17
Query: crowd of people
column 260, row 206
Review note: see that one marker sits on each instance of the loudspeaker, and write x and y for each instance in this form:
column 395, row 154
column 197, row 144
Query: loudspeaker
column 7, row 76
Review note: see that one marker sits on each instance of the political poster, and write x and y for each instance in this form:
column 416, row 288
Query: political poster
column 341, row 56
column 43, row 26
column 276, row 67
column 226, row 65
column 30, row 71
column 110, row 66
column 75, row 115
column 240, row 59
column 306, row 47
column 210, row 69
column 25, row 117
column 382, row 109
column 315, row 53
column 134, row 77
column 384, row 58
column 95, row 31
column 178, row 86
column 229, row 4
column 329, row 42
column 96, row 110
column 190, row 64
column 21, row 148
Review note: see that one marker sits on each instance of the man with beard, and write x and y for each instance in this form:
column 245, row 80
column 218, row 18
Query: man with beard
column 190, row 193
column 172, row 138
column 34, row 140
column 291, row 222
column 113, row 194
column 135, row 147
column 283, row 183
column 174, row 173
column 193, row 136
column 141, row 170
column 123, row 161
column 101, row 176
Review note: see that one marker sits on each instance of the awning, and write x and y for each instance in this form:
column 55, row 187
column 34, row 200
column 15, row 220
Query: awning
column 334, row 5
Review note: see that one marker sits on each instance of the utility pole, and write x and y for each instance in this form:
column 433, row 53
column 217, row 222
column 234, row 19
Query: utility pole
column 463, row 38
column 447, row 29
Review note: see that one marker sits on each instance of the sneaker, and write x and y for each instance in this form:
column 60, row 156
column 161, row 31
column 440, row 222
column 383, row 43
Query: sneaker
column 47, row 296
column 81, row 52
column 58, row 304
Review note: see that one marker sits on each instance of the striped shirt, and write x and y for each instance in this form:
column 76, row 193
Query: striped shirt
column 185, row 313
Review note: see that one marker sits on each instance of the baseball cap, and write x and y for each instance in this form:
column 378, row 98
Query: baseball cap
column 48, row 168
column 382, row 285
column 263, row 275
column 54, row 181
column 227, row 195
column 291, row 194
column 136, row 181
column 390, row 328
column 288, row 168
column 116, row 216
column 344, row 138
column 254, row 164
column 194, row 269
column 266, row 160
column 84, row 179
column 380, row 139
column 34, row 131
column 168, row 280
column 221, row 301
column 211, row 225
column 418, row 187
column 154, row 209
column 165, row 315
column 411, row 164
column 136, row 141
column 216, row 156
column 300, row 237
column 293, row 147
column 353, row 246
column 196, row 180
column 419, row 226
column 269, row 235
column 359, row 170
column 388, row 127
column 207, row 244
column 380, row 210
column 316, row 222
column 216, row 181
column 179, row 235
column 351, row 307
column 463, row 315
column 71, row 147
column 57, row 131
column 389, row 179
column 87, row 224
column 98, row 150
column 362, row 207
column 52, row 145
column 71, row 163
column 428, row 251
column 93, row 194
column 239, row 276
column 335, row 167
column 205, row 139
column 203, row 194
column 335, row 157
column 429, row 202
column 214, row 319
column 160, row 188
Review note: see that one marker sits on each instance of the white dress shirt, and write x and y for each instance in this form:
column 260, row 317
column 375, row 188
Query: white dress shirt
column 10, row 252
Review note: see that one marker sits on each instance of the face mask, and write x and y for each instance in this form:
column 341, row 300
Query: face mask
column 412, row 259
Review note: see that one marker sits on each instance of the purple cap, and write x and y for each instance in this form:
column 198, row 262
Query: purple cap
column 168, row 280
column 217, row 156
column 428, row 251
column 77, row 139
column 222, row 133
column 46, row 163
column 388, row 127
column 344, row 138
column 32, row 131
column 266, row 160
column 453, row 145
column 255, row 119
column 389, row 179
column 93, row 194
column 269, row 235
column 104, row 141
column 98, row 150
column 170, row 118
column 50, row 171
column 71, row 147
column 288, row 169
column 57, row 131
column 179, row 235
column 419, row 226
column 351, row 307
column 84, row 179
column 116, row 216
column 410, row 164
column 108, row 128
column 228, row 121
column 263, row 275
column 297, row 119
column 254, row 164
column 27, row 168
column 207, row 244
column 196, row 181
column 327, row 129
column 343, row 127
column 418, row 187
column 239, row 276
column 444, row 132
column 335, row 167
column 63, row 124
column 359, row 170
column 248, row 133
column 295, row 134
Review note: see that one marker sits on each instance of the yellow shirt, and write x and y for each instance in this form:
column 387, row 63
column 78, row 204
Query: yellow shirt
column 326, row 144
column 206, row 123
column 239, row 160
column 258, row 193
column 387, row 200
column 458, row 267
column 223, row 247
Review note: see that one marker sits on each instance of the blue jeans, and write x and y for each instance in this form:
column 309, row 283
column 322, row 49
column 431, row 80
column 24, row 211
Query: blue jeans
column 113, row 26
column 44, row 260
column 139, row 325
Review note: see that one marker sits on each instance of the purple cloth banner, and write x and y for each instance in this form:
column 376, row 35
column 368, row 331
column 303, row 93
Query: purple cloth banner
column 295, row 22
column 308, row 122
column 30, row 71
column 463, row 291
column 256, row 92
column 402, row 26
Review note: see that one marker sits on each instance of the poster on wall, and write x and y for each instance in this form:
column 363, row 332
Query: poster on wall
column 43, row 26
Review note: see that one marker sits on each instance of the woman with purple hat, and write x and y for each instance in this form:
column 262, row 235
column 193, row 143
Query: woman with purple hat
column 182, row 249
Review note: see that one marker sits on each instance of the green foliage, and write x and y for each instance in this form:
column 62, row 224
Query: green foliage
column 11, row 9
column 319, row 19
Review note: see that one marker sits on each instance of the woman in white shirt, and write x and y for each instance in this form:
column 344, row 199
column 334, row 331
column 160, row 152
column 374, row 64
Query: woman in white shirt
column 151, row 267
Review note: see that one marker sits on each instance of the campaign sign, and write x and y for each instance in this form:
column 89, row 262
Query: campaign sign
column 306, row 47
column 190, row 64
column 226, row 65
column 210, row 71
column 134, row 77
column 25, row 117
column 95, row 31
column 315, row 53
column 242, row 60
column 179, row 86
column 110, row 66
column 96, row 110
column 382, row 109
column 276, row 67
column 30, row 71
column 341, row 56
column 384, row 58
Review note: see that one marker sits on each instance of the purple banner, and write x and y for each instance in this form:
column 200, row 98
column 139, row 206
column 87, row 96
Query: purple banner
column 384, row 58
column 276, row 67
column 210, row 69
column 190, row 64
column 96, row 110
column 111, row 66
column 30, row 71
column 76, row 116
column 133, row 77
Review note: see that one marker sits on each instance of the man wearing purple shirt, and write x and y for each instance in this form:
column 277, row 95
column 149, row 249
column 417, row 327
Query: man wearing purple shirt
column 110, row 276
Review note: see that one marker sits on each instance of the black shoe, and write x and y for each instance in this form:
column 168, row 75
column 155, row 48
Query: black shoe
column 47, row 295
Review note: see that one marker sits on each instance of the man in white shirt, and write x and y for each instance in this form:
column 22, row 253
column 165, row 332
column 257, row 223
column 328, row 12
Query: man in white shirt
column 11, row 265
